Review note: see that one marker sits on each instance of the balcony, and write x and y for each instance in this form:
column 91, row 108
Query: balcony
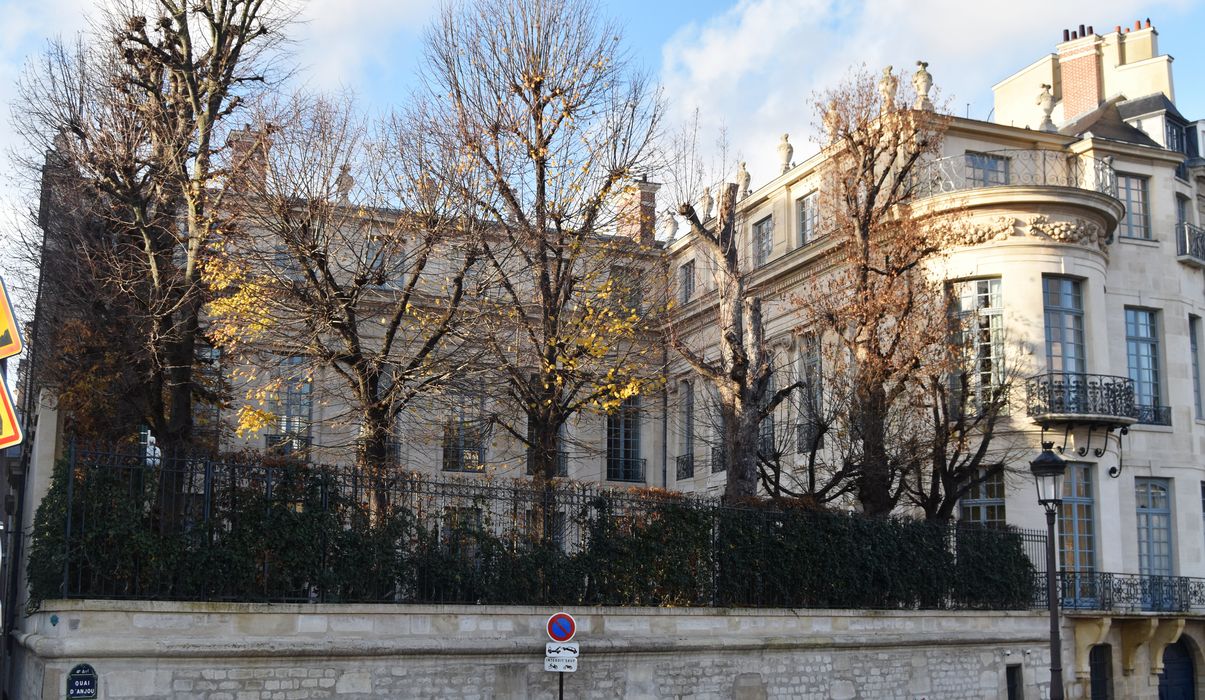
column 1190, row 245
column 685, row 466
column 1154, row 415
column 1016, row 167
column 717, row 460
column 1098, row 591
column 1069, row 397
column 629, row 469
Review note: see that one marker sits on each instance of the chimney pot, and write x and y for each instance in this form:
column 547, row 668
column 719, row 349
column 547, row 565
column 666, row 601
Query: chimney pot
column 1148, row 22
column 1066, row 35
column 1137, row 24
column 1091, row 29
column 1117, row 29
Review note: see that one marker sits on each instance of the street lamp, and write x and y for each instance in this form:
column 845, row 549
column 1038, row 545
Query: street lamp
column 1048, row 471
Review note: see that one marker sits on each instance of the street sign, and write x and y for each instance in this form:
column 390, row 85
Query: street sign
column 82, row 683
column 560, row 665
column 10, row 333
column 10, row 428
column 561, row 627
column 561, row 650
column 10, row 344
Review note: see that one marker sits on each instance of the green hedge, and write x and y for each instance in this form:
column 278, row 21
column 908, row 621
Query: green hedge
column 305, row 539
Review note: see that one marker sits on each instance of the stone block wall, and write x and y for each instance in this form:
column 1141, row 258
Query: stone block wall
column 287, row 652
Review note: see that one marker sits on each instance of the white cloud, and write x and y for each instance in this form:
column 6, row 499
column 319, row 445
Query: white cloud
column 339, row 41
column 755, row 68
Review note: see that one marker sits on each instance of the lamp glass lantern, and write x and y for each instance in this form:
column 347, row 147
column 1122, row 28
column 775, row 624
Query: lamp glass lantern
column 1048, row 471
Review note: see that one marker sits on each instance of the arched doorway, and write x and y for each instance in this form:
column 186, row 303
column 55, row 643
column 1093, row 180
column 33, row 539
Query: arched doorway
column 1178, row 680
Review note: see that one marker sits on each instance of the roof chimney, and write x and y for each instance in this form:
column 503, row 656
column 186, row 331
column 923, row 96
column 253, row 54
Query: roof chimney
column 1079, row 65
column 248, row 159
column 637, row 211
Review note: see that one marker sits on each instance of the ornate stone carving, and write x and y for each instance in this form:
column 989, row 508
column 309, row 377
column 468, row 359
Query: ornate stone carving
column 344, row 182
column 1045, row 102
column 923, row 82
column 705, row 202
column 669, row 224
column 888, row 85
column 742, row 180
column 1081, row 231
column 1076, row 231
column 832, row 120
column 785, row 151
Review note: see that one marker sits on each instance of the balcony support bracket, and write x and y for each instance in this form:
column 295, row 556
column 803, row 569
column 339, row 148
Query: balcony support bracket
column 1135, row 633
column 1088, row 633
column 1167, row 633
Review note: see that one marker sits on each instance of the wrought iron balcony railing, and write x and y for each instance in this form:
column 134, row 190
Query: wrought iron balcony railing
column 625, row 469
column 686, row 466
column 1155, row 415
column 1047, row 168
column 1099, row 398
column 1092, row 591
column 463, row 459
column 1190, row 244
column 717, row 460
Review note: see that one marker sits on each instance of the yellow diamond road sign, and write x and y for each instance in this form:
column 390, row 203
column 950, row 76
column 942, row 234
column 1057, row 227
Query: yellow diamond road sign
column 10, row 344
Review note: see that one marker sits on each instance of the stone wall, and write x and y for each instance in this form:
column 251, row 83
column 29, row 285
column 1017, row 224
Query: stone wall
column 269, row 652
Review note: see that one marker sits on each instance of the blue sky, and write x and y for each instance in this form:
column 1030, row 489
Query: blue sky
column 749, row 66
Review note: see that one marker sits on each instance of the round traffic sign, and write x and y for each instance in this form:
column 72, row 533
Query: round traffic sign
column 561, row 627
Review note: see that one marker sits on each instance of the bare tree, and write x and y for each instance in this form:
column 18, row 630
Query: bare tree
column 742, row 373
column 340, row 254
column 136, row 108
column 539, row 97
column 913, row 423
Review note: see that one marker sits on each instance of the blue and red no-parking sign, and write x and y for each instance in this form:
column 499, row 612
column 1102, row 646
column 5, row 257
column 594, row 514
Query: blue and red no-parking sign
column 561, row 627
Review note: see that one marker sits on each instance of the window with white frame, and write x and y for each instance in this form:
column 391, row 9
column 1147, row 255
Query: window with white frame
column 763, row 241
column 1154, row 518
column 1194, row 359
column 1133, row 191
column 686, row 445
column 623, row 442
column 686, row 281
column 983, row 503
column 809, row 433
column 464, row 433
column 808, row 209
column 1077, row 522
column 765, row 430
column 1063, row 303
column 293, row 409
column 987, row 169
column 1142, row 358
column 979, row 309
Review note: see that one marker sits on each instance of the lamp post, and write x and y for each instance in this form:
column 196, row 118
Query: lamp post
column 1048, row 470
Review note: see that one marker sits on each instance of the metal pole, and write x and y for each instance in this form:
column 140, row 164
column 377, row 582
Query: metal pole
column 1056, row 647
column 561, row 684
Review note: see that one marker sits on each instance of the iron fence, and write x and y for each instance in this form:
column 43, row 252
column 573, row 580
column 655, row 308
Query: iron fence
column 121, row 526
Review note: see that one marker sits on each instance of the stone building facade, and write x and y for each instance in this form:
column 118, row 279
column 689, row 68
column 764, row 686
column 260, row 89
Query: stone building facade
column 1086, row 241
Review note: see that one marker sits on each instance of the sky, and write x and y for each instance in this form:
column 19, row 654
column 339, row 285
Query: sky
column 750, row 67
